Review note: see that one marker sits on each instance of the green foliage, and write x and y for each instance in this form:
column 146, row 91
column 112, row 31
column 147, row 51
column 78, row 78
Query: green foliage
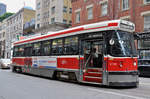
column 6, row 15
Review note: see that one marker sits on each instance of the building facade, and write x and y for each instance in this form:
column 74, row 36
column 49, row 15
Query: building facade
column 2, row 9
column 91, row 11
column 53, row 12
column 2, row 38
column 15, row 27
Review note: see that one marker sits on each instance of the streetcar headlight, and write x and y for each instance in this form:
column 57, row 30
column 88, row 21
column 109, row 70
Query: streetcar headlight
column 134, row 63
column 121, row 64
column 84, row 70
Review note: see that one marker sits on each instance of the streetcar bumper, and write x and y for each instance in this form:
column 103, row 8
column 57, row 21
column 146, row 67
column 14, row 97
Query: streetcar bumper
column 124, row 79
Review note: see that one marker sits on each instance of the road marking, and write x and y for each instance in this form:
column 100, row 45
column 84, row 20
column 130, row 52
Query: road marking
column 115, row 93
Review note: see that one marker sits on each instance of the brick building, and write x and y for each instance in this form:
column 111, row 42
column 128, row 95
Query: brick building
column 91, row 11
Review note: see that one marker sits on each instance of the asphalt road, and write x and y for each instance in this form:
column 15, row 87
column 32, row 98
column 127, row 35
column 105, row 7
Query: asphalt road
column 20, row 86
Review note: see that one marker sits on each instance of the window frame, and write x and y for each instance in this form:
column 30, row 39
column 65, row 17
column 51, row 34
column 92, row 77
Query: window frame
column 27, row 48
column 90, row 13
column 56, row 47
column 53, row 10
column 43, row 46
column 103, row 8
column 38, row 6
column 70, row 44
column 124, row 6
column 53, row 20
column 65, row 9
column 78, row 17
column 64, row 21
column 39, row 50
column 146, row 22
column 38, row 16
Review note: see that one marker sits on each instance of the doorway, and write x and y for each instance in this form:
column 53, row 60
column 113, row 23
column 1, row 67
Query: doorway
column 93, row 53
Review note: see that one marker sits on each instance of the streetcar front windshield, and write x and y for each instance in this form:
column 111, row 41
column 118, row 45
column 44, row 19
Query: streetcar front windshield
column 120, row 44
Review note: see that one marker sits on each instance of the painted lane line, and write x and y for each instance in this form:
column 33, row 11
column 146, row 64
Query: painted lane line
column 115, row 93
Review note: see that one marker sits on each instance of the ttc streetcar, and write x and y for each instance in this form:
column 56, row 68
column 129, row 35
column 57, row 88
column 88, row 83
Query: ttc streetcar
column 101, row 53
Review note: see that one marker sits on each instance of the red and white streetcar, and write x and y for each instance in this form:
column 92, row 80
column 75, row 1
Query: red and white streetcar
column 101, row 53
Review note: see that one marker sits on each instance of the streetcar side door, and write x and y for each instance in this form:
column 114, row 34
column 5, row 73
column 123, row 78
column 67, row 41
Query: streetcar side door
column 93, row 54
column 92, row 63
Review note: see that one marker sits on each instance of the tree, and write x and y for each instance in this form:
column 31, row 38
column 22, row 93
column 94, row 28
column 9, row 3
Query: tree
column 6, row 15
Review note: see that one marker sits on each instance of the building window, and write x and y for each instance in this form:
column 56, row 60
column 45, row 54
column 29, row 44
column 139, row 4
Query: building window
column 90, row 12
column 38, row 5
column 104, row 9
column 65, row 9
column 64, row 21
column 52, row 20
column 53, row 10
column 77, row 17
column 125, row 4
column 38, row 25
column 46, row 3
column 70, row 11
column 70, row 22
column 3, row 34
column 38, row 17
column 146, row 1
column 147, row 23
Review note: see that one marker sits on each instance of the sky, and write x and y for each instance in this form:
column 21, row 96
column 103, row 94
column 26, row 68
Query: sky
column 15, row 5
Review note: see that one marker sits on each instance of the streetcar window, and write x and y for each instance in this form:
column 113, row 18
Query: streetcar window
column 36, row 49
column 120, row 44
column 57, row 47
column 71, row 45
column 46, row 48
column 18, row 51
column 21, row 51
column 15, row 52
column 28, row 50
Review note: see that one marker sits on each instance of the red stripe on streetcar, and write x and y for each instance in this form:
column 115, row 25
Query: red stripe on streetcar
column 51, row 35
column 66, row 32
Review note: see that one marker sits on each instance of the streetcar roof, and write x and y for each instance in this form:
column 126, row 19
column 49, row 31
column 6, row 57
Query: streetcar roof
column 100, row 26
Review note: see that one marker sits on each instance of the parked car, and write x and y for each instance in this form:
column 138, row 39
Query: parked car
column 5, row 63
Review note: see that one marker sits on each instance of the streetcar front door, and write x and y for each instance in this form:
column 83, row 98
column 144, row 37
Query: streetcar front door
column 93, row 54
column 92, row 61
